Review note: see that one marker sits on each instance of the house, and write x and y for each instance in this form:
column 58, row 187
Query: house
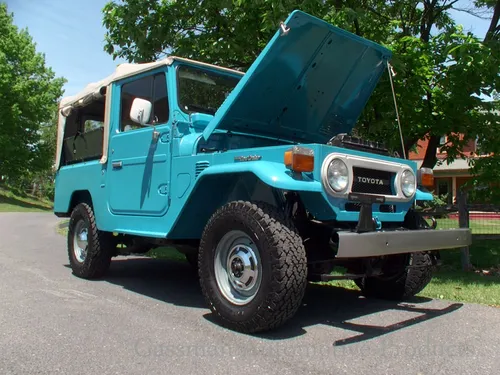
column 448, row 178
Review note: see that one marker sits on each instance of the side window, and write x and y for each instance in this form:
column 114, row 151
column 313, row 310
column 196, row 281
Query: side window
column 141, row 88
column 85, row 119
column 90, row 124
column 152, row 88
column 160, row 104
column 84, row 133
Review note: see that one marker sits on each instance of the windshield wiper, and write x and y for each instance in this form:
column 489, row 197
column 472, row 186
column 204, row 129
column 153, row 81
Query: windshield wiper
column 199, row 108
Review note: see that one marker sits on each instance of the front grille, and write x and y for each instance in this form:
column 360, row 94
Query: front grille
column 371, row 181
column 389, row 208
column 356, row 207
column 352, row 207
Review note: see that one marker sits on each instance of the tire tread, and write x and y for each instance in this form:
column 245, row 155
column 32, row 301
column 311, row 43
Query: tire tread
column 410, row 283
column 289, row 267
column 100, row 246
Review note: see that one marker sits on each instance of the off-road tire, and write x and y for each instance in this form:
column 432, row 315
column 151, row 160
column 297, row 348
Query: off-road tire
column 404, row 285
column 283, row 259
column 101, row 245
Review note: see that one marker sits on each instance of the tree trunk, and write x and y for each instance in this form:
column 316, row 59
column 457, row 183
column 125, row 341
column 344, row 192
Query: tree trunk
column 430, row 158
column 408, row 144
column 494, row 23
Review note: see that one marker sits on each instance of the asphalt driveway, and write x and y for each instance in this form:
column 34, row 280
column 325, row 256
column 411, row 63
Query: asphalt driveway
column 149, row 317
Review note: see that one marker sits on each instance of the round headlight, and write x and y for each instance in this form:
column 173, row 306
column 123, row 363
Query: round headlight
column 337, row 175
column 408, row 183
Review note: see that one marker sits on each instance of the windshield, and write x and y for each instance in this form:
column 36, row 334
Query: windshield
column 202, row 90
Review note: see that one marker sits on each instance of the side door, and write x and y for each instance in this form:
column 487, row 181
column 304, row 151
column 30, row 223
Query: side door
column 138, row 170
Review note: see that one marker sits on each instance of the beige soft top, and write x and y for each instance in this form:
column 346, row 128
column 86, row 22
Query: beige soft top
column 93, row 90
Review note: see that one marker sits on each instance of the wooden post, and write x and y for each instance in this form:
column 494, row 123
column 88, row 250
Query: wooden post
column 453, row 190
column 463, row 221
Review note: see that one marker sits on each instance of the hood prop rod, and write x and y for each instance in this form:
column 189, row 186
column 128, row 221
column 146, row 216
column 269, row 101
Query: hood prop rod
column 391, row 72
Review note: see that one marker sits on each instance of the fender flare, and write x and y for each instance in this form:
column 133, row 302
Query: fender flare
column 273, row 174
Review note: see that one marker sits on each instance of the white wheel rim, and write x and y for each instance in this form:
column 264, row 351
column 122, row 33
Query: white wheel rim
column 238, row 268
column 80, row 241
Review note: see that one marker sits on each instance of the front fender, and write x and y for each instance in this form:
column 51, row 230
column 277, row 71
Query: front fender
column 218, row 184
column 272, row 174
column 423, row 196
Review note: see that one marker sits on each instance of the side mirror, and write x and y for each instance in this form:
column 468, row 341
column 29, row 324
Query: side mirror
column 140, row 112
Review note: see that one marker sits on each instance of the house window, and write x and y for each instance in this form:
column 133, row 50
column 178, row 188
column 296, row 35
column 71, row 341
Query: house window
column 443, row 189
column 442, row 141
column 478, row 145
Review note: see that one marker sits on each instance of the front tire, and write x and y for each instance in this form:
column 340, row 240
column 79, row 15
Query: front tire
column 252, row 267
column 411, row 276
column 89, row 249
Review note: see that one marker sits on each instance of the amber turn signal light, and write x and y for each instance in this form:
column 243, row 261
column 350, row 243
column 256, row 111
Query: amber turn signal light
column 426, row 177
column 300, row 159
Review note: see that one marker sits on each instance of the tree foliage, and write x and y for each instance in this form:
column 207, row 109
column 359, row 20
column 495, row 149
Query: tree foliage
column 29, row 92
column 442, row 76
column 492, row 7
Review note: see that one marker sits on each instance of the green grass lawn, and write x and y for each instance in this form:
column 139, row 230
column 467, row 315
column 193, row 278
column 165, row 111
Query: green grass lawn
column 10, row 202
column 477, row 225
column 451, row 283
column 167, row 253
column 481, row 286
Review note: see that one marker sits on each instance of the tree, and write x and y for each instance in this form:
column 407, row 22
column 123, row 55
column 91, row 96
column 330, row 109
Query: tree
column 220, row 31
column 29, row 92
column 486, row 167
column 442, row 72
column 492, row 6
column 441, row 80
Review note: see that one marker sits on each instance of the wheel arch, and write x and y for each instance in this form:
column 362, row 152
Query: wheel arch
column 213, row 191
column 78, row 196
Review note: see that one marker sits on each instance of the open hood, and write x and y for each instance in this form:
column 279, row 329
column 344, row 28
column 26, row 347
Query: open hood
column 310, row 82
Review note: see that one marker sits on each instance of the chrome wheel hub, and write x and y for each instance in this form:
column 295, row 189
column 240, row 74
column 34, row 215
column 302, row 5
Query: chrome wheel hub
column 237, row 266
column 243, row 267
column 80, row 241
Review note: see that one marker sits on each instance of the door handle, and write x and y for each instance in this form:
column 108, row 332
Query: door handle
column 117, row 164
column 156, row 135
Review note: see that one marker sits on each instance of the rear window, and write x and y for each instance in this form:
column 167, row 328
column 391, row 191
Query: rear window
column 201, row 90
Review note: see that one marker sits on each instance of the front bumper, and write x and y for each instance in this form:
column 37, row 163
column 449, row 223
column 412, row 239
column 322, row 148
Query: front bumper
column 372, row 244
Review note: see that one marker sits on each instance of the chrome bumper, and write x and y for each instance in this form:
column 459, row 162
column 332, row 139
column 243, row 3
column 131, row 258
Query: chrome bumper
column 371, row 244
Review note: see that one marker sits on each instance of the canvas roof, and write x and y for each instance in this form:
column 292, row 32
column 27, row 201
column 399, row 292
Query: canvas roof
column 93, row 89
column 130, row 69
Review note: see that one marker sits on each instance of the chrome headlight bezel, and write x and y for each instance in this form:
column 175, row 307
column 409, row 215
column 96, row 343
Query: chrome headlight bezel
column 409, row 189
column 340, row 166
